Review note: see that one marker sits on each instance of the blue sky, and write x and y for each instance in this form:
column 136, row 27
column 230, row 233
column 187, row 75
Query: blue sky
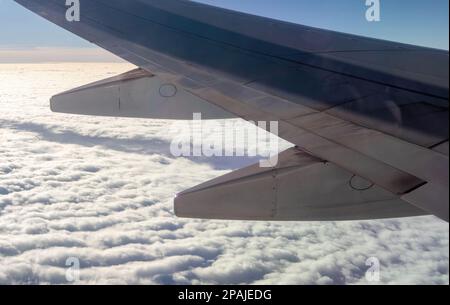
column 418, row 22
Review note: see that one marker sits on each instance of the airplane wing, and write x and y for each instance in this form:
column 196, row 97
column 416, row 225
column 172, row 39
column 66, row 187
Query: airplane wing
column 358, row 109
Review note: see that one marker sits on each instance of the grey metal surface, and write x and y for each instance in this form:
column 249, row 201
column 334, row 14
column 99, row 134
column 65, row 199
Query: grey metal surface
column 255, row 51
column 135, row 94
column 442, row 148
column 300, row 187
column 263, row 69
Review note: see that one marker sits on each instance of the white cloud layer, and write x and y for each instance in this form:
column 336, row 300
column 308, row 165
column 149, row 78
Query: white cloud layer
column 101, row 190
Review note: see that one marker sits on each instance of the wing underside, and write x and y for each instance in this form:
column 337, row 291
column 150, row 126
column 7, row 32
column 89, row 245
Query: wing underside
column 372, row 110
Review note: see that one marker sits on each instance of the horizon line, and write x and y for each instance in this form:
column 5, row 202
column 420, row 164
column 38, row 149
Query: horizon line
column 15, row 54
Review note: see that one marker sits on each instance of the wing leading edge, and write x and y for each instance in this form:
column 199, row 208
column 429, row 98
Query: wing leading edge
column 374, row 109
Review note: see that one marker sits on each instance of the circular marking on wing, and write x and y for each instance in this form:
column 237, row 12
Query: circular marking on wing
column 360, row 184
column 168, row 90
